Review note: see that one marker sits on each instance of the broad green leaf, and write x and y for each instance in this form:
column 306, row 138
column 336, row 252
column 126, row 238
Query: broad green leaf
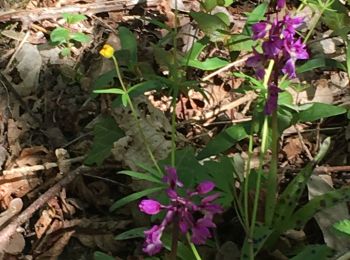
column 223, row 141
column 343, row 226
column 289, row 199
column 240, row 42
column 73, row 18
column 141, row 176
column 187, row 166
column 80, row 37
column 327, row 200
column 138, row 90
column 125, row 99
column 220, row 171
column 104, row 80
column 314, row 252
column 324, row 63
column 106, row 132
column 129, row 43
column 133, row 197
column 102, row 256
column 117, row 91
column 320, row 110
column 209, row 5
column 226, row 2
column 211, row 25
column 65, row 52
column 257, row 84
column 261, row 233
column 255, row 16
column 197, row 49
column 208, row 64
column 132, row 233
column 336, row 20
column 223, row 18
column 59, row 35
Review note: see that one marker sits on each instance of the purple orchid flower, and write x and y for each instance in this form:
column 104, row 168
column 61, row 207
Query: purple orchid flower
column 279, row 43
column 184, row 209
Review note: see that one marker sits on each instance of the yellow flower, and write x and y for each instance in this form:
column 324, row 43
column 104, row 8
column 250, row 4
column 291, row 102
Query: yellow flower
column 107, row 51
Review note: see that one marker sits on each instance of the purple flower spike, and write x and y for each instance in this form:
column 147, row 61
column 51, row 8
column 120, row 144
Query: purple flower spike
column 271, row 103
column 150, row 207
column 182, row 212
column 201, row 232
column 259, row 30
column 172, row 178
column 281, row 4
column 153, row 244
column 205, row 187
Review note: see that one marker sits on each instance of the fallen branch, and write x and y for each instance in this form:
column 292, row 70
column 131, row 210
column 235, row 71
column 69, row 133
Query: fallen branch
column 29, row 16
column 25, row 215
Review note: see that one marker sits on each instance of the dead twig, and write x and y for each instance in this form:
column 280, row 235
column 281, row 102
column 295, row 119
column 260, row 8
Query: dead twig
column 41, row 167
column 29, row 16
column 227, row 67
column 246, row 98
column 330, row 169
column 10, row 229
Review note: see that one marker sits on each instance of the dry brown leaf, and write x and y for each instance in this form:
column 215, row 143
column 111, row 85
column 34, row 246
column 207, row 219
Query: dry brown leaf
column 293, row 148
column 57, row 248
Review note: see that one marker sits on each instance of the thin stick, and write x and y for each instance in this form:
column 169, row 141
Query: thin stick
column 227, row 67
column 10, row 229
column 20, row 45
column 40, row 167
column 248, row 97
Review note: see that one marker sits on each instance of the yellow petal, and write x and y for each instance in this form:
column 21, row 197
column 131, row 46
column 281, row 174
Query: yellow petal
column 107, row 51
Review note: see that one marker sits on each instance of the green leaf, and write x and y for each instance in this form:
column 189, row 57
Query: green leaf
column 211, row 25
column 257, row 14
column 125, row 99
column 102, row 256
column 80, row 37
column 209, row 5
column 336, row 20
column 261, row 233
column 223, row 141
column 132, row 233
column 289, row 199
column 343, row 226
column 129, row 43
column 240, row 42
column 220, row 171
column 73, row 18
column 106, row 132
column 223, row 18
column 320, row 110
column 117, row 91
column 59, row 35
column 65, row 52
column 208, row 64
column 141, row 176
column 327, row 200
column 324, row 63
column 314, row 252
column 133, row 197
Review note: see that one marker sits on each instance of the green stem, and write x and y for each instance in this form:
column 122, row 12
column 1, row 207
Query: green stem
column 272, row 176
column 193, row 248
column 135, row 115
column 264, row 137
column 246, row 182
